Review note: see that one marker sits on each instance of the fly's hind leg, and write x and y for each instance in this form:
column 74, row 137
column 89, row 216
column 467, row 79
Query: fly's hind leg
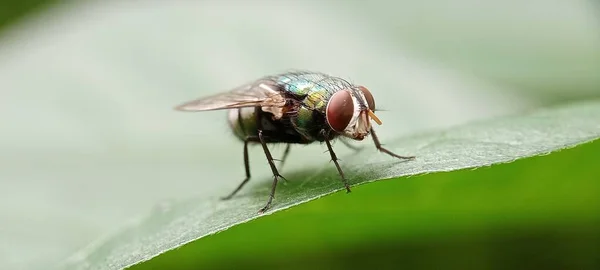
column 246, row 165
column 384, row 150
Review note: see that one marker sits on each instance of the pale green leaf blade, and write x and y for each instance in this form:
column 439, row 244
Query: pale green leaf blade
column 469, row 146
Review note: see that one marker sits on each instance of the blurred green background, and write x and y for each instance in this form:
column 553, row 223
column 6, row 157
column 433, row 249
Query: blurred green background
column 14, row 10
column 87, row 88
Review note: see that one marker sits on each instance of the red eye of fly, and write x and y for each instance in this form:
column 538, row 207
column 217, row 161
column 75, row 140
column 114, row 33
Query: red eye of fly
column 368, row 97
column 340, row 109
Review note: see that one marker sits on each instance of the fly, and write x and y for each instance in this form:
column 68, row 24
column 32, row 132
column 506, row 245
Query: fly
column 299, row 107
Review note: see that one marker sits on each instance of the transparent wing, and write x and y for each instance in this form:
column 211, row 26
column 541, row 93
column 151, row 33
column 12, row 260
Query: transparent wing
column 261, row 93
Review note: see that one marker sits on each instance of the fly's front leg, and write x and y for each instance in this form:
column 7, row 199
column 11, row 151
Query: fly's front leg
column 276, row 174
column 381, row 149
column 337, row 165
column 246, row 165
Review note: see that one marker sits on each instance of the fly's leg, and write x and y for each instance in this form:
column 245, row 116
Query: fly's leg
column 246, row 164
column 276, row 174
column 337, row 165
column 381, row 149
column 286, row 152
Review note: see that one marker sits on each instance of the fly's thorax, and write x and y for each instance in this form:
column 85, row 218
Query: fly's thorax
column 307, row 114
column 317, row 100
column 301, row 84
column 309, row 123
column 313, row 94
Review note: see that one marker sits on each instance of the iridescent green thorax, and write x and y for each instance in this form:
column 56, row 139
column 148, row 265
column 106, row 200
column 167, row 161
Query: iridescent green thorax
column 306, row 85
column 309, row 116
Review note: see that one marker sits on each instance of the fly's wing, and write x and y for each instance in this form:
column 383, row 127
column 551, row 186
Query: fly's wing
column 262, row 93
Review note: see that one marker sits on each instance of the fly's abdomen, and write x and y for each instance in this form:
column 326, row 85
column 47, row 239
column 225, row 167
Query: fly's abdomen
column 243, row 122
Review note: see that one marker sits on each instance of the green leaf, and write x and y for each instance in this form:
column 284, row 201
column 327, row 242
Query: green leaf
column 540, row 212
column 474, row 145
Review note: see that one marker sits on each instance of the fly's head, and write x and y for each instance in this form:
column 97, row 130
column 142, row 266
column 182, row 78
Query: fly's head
column 350, row 111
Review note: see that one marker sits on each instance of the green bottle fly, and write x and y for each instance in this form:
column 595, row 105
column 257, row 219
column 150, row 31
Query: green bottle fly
column 298, row 107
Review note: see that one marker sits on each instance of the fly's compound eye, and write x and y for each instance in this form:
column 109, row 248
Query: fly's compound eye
column 368, row 97
column 340, row 109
